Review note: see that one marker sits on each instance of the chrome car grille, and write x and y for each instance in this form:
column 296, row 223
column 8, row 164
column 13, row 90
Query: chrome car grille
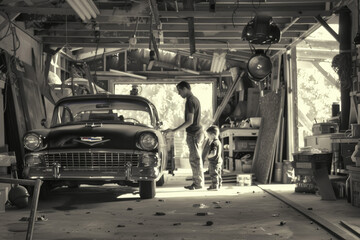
column 92, row 160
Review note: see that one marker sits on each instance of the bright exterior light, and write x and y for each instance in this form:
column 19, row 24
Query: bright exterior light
column 85, row 9
column 218, row 62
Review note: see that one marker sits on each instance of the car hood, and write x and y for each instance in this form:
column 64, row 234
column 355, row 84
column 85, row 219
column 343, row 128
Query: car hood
column 111, row 136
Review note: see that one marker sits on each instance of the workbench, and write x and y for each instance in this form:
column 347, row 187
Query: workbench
column 339, row 144
column 235, row 138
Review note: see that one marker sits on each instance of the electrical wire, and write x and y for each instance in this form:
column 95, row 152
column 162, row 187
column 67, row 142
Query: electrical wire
column 16, row 40
column 234, row 12
column 3, row 60
column 267, row 49
column 11, row 30
column 7, row 31
column 253, row 5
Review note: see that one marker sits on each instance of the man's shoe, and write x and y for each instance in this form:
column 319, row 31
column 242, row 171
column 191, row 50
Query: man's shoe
column 193, row 187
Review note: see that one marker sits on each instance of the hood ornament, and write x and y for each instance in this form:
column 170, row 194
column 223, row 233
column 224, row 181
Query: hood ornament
column 91, row 141
column 93, row 125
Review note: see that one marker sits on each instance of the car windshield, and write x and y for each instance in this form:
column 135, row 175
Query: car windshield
column 120, row 111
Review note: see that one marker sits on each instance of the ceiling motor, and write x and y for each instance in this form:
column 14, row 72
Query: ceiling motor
column 261, row 30
column 259, row 66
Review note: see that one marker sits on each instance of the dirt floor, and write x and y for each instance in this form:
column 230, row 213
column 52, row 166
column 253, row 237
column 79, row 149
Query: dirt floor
column 235, row 212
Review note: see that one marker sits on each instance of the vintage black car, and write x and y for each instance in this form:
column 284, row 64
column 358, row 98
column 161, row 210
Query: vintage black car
column 97, row 139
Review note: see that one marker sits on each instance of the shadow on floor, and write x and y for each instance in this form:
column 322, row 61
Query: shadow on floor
column 87, row 196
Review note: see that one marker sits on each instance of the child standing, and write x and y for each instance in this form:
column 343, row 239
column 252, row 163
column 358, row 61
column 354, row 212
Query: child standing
column 214, row 158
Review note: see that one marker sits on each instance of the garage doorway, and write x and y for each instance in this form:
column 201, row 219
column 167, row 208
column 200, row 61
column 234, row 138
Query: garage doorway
column 317, row 83
column 170, row 106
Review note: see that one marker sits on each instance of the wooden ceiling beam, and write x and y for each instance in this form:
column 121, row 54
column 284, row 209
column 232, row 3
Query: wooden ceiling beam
column 155, row 12
column 145, row 35
column 74, row 40
column 244, row 12
column 276, row 1
column 172, row 46
column 238, row 20
column 165, row 28
column 312, row 29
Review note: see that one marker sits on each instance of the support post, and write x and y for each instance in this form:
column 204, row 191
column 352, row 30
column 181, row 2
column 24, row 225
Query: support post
column 345, row 48
column 189, row 6
column 2, row 126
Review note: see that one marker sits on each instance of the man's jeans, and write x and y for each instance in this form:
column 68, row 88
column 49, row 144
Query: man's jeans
column 194, row 142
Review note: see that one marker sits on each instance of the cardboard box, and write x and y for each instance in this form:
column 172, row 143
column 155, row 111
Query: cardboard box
column 245, row 145
column 244, row 179
column 324, row 128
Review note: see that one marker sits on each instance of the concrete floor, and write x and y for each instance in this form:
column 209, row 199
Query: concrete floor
column 114, row 212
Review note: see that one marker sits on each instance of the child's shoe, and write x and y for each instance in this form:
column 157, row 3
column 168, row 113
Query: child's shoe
column 212, row 188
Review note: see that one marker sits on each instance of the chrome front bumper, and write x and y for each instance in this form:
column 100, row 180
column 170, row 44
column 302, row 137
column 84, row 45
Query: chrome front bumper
column 85, row 165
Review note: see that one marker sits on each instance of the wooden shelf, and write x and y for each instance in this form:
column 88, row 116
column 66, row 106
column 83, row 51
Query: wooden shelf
column 240, row 150
column 239, row 140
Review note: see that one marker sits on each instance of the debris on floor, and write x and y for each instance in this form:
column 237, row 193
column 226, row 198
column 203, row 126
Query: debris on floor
column 204, row 213
column 282, row 223
column 200, row 205
column 160, row 214
column 209, row 223
column 37, row 219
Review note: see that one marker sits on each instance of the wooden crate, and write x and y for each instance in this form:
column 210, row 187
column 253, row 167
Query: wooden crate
column 306, row 164
column 355, row 186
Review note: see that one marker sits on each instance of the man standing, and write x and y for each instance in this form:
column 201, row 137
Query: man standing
column 194, row 133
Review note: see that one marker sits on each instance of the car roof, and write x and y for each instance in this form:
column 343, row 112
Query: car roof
column 103, row 96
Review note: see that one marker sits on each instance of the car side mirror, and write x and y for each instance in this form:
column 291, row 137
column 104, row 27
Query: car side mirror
column 44, row 122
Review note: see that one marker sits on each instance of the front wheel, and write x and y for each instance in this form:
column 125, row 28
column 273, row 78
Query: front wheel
column 147, row 189
column 161, row 181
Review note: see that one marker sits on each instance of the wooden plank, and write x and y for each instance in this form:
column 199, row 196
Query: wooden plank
column 277, row 135
column 328, row 226
column 352, row 228
column 282, row 139
column 252, row 105
column 225, row 100
column 323, row 182
column 269, row 112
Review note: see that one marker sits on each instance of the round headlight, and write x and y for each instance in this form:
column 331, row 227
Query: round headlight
column 148, row 141
column 32, row 141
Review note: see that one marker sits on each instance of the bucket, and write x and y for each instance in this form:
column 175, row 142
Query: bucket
column 278, row 172
column 335, row 109
column 287, row 168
